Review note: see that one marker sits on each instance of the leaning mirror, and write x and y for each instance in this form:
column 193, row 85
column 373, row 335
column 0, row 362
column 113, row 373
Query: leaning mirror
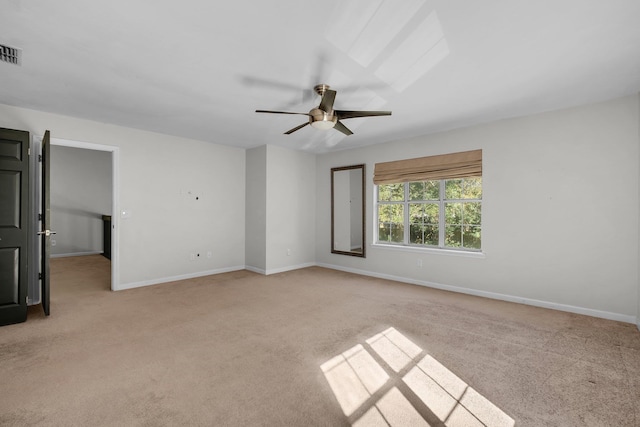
column 347, row 210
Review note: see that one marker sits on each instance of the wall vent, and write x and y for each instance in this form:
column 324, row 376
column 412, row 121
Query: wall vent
column 9, row 54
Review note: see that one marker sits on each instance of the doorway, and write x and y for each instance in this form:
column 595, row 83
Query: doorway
column 72, row 215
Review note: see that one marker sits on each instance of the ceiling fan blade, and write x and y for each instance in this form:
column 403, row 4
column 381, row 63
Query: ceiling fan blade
column 326, row 104
column 346, row 114
column 290, row 131
column 342, row 128
column 280, row 112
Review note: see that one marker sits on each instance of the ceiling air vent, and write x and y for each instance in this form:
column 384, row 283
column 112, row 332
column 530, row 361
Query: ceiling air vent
column 9, row 54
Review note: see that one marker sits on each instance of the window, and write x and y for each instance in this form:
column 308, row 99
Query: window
column 433, row 201
column 437, row 213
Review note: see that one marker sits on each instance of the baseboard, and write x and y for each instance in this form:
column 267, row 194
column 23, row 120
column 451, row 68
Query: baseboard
column 255, row 269
column 75, row 254
column 209, row 273
column 503, row 297
column 493, row 295
column 279, row 270
column 133, row 285
column 289, row 268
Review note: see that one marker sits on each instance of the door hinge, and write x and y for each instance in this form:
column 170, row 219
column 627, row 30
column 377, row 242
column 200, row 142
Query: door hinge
column 39, row 217
column 39, row 276
column 40, row 158
column 27, row 300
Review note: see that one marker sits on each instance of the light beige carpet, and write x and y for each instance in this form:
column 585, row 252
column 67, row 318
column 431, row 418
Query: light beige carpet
column 296, row 348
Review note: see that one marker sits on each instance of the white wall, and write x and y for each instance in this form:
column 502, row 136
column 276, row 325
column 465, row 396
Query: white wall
column 80, row 195
column 560, row 208
column 560, row 211
column 280, row 209
column 291, row 209
column 160, row 177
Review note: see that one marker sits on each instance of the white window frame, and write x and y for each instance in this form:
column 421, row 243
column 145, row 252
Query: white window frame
column 411, row 247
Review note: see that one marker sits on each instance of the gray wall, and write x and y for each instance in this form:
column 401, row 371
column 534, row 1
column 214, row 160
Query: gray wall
column 256, row 205
column 280, row 202
column 291, row 209
column 80, row 194
column 160, row 177
column 560, row 211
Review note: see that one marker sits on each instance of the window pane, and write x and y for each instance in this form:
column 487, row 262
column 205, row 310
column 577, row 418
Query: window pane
column 391, row 223
column 472, row 213
column 416, row 233
column 453, row 236
column 391, row 212
column 416, row 213
column 384, row 231
column 423, row 234
column 416, row 222
column 425, row 190
column 416, row 191
column 431, row 235
column 391, row 192
column 397, row 233
column 453, row 189
column 472, row 188
column 423, row 213
column 453, row 213
column 423, row 227
column 432, row 213
column 453, row 225
column 471, row 237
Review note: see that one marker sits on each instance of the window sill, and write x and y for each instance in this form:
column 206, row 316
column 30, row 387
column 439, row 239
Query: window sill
column 436, row 251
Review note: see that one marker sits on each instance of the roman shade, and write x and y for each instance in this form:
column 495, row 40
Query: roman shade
column 445, row 166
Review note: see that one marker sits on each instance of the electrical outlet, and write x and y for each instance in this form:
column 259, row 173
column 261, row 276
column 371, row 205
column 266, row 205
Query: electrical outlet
column 288, row 252
column 419, row 263
column 192, row 257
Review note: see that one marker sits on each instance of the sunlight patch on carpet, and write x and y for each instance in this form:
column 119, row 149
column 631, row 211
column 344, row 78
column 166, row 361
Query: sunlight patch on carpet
column 390, row 381
column 354, row 376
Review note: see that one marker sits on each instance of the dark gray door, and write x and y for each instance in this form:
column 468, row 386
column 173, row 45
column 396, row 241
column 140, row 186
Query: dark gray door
column 46, row 222
column 14, row 225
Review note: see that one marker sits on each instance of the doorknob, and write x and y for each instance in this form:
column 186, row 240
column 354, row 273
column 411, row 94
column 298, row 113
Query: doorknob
column 46, row 233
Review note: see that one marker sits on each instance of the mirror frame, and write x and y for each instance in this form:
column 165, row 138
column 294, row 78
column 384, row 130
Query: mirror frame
column 364, row 206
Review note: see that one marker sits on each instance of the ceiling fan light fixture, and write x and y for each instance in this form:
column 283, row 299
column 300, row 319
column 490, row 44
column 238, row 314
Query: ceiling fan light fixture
column 323, row 125
column 322, row 120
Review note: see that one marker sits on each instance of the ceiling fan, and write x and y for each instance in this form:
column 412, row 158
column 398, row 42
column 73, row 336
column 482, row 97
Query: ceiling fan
column 324, row 116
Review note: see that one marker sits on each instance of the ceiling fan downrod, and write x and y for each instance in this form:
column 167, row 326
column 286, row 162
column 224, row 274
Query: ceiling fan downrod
column 321, row 89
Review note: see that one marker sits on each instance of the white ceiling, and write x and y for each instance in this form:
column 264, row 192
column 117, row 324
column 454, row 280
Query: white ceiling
column 200, row 68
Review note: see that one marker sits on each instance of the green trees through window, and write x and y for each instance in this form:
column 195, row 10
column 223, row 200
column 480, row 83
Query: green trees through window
column 438, row 213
